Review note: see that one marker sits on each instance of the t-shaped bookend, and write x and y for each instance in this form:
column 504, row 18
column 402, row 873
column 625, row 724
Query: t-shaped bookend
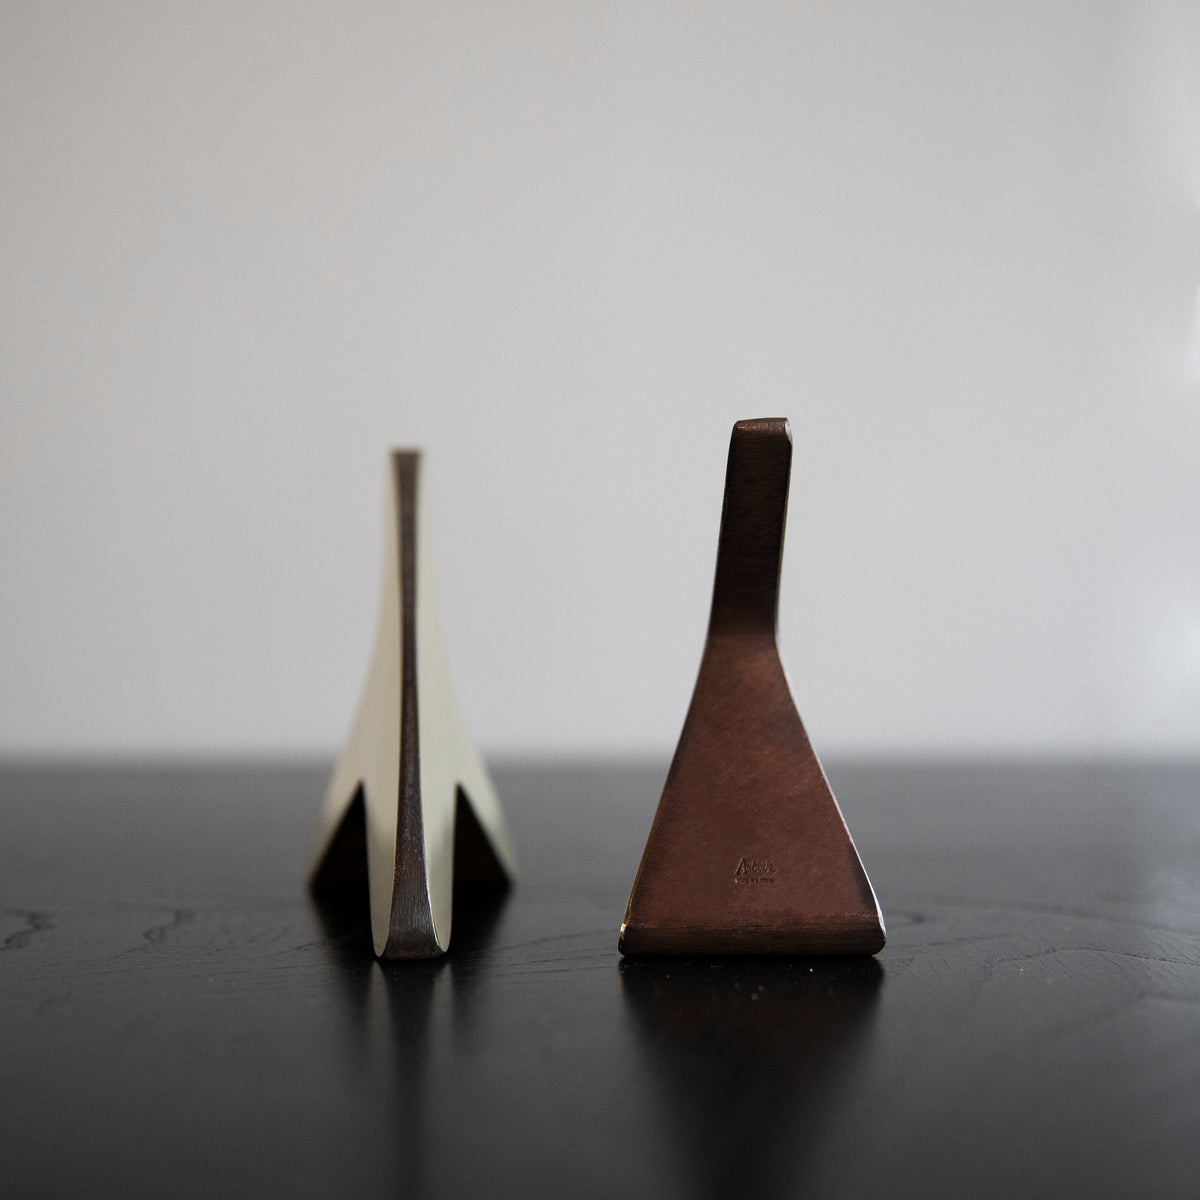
column 748, row 853
column 410, row 807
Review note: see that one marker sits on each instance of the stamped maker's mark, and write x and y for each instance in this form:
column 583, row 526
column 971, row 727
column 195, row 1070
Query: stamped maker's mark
column 751, row 871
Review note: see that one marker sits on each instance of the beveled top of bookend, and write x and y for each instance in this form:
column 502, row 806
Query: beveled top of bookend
column 748, row 853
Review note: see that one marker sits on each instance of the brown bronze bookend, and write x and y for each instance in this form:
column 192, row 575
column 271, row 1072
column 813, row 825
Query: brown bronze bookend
column 410, row 809
column 748, row 853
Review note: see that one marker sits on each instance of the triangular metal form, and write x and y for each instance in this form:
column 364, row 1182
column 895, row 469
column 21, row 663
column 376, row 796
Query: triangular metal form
column 748, row 853
column 410, row 804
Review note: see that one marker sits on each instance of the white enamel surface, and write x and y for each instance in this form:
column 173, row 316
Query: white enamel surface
column 446, row 756
column 371, row 754
column 562, row 247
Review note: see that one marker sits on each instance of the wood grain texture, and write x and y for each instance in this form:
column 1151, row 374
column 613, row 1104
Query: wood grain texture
column 177, row 1017
column 748, row 853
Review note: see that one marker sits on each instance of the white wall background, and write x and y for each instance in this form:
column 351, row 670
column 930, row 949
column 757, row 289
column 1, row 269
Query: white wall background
column 245, row 248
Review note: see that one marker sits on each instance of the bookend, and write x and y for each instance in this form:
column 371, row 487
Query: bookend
column 410, row 811
column 748, row 852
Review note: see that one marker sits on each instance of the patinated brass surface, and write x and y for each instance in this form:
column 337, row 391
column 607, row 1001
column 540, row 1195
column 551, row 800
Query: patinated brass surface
column 748, row 853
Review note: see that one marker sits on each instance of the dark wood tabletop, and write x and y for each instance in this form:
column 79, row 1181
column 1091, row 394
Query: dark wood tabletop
column 179, row 1018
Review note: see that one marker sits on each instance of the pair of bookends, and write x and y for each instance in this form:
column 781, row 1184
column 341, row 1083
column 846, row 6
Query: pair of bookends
column 748, row 852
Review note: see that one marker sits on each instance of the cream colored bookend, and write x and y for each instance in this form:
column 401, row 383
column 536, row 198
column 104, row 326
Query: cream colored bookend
column 410, row 803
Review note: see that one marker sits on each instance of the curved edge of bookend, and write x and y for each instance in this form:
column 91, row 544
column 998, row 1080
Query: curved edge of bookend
column 748, row 852
column 410, row 808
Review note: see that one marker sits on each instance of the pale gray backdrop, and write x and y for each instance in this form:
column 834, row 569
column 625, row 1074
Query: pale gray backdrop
column 244, row 248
